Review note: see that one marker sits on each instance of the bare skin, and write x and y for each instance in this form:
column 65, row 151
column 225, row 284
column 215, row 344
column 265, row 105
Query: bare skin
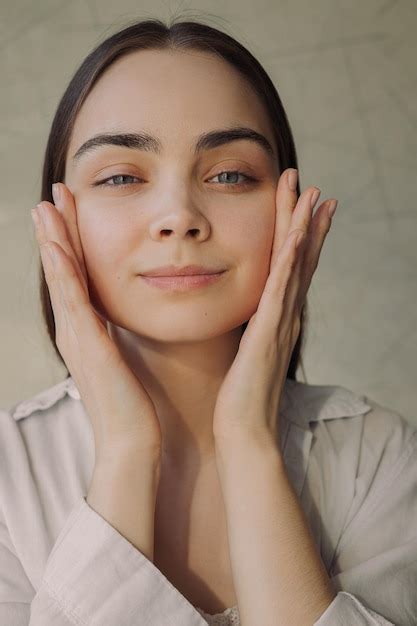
column 191, row 543
column 177, row 209
column 172, row 339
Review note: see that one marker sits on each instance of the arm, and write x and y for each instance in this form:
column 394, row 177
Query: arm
column 123, row 491
column 278, row 573
column 96, row 573
column 374, row 570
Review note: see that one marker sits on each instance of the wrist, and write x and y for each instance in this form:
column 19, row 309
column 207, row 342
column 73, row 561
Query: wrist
column 244, row 448
column 123, row 490
column 114, row 456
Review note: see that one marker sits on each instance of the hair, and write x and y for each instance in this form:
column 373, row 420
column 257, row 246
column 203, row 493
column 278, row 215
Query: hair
column 155, row 34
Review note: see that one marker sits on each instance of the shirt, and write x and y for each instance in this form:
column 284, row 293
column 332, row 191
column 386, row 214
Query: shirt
column 351, row 461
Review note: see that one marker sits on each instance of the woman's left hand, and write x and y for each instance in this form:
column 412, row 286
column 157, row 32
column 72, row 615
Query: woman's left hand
column 250, row 395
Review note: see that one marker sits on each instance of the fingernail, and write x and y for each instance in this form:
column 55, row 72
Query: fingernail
column 332, row 208
column 55, row 193
column 314, row 197
column 292, row 179
column 35, row 217
column 40, row 211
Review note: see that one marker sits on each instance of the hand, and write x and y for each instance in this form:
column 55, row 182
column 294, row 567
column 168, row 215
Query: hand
column 249, row 397
column 122, row 413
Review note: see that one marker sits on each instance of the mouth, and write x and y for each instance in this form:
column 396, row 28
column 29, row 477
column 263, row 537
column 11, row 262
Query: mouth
column 183, row 282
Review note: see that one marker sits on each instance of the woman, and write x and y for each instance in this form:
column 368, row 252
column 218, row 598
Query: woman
column 181, row 474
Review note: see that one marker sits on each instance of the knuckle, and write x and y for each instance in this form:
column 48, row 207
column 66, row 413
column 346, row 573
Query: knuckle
column 309, row 191
column 66, row 244
column 295, row 247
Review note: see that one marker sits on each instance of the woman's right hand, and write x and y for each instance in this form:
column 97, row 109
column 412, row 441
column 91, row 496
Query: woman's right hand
column 121, row 411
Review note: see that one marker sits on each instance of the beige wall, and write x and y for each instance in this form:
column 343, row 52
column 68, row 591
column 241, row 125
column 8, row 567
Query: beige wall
column 344, row 71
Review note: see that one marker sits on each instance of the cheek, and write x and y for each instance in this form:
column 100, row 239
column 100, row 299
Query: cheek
column 105, row 237
column 249, row 246
column 106, row 252
column 251, row 239
column 256, row 272
column 106, row 243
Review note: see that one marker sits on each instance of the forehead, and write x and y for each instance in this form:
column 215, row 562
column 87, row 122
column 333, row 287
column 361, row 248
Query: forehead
column 174, row 94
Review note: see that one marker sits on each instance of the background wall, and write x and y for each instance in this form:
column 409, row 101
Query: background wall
column 344, row 71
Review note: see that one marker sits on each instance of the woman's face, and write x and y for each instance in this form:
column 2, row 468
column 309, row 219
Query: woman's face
column 168, row 204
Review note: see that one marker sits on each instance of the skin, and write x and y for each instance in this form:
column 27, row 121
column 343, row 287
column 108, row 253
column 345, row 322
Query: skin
column 173, row 339
column 233, row 392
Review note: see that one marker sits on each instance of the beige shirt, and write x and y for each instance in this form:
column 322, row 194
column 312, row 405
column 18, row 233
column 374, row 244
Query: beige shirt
column 352, row 462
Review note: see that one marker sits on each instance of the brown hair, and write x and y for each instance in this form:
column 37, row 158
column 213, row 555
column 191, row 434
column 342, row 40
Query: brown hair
column 154, row 34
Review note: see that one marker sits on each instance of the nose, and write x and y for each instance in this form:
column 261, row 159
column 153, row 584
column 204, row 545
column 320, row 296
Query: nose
column 183, row 222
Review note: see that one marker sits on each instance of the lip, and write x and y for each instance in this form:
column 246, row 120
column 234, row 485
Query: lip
column 183, row 282
column 187, row 270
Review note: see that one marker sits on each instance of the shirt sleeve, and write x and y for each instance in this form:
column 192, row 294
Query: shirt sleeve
column 374, row 570
column 93, row 576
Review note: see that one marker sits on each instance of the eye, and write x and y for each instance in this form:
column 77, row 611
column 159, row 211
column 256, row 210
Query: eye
column 104, row 182
column 117, row 177
column 248, row 179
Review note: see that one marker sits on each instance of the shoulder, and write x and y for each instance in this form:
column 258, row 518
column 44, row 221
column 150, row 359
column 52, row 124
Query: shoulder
column 54, row 414
column 387, row 464
column 46, row 447
column 353, row 441
column 46, row 461
column 338, row 410
column 44, row 400
column 355, row 452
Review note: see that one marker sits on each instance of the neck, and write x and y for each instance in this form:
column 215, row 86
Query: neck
column 183, row 380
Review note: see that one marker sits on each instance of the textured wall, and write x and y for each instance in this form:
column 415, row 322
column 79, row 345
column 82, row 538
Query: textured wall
column 344, row 71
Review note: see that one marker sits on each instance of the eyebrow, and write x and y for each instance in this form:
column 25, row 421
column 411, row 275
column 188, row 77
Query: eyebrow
column 149, row 143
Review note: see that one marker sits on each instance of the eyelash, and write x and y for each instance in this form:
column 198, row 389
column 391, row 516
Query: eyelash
column 249, row 180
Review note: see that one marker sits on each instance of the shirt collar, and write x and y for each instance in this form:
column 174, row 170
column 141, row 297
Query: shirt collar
column 301, row 403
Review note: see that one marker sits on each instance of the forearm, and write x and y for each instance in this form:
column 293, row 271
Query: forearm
column 278, row 573
column 123, row 491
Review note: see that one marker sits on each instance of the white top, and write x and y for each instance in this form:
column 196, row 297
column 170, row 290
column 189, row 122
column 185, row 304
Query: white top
column 352, row 463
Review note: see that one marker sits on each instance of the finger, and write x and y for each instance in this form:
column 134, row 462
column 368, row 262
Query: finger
column 285, row 270
column 69, row 299
column 65, row 204
column 286, row 200
column 79, row 335
column 73, row 304
column 302, row 214
column 48, row 269
column 320, row 228
column 271, row 305
column 301, row 220
column 285, row 261
column 306, row 264
column 55, row 231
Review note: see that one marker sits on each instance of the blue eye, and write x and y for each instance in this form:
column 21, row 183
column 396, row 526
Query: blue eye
column 248, row 180
column 104, row 182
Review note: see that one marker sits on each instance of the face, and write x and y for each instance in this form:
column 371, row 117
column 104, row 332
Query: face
column 173, row 205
